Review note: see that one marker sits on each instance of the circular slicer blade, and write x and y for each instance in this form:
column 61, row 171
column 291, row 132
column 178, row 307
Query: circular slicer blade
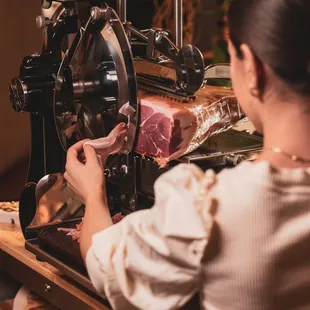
column 96, row 85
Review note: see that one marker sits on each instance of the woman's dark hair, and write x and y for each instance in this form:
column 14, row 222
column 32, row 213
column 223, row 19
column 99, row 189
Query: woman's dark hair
column 278, row 32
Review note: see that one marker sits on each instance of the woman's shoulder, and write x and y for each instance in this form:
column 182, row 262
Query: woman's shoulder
column 182, row 173
column 247, row 178
column 187, row 177
column 247, row 182
column 262, row 174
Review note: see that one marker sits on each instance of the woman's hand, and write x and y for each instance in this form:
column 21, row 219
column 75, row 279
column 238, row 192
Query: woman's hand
column 86, row 179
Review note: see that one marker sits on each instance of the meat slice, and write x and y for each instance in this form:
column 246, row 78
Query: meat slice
column 75, row 233
column 110, row 144
column 170, row 129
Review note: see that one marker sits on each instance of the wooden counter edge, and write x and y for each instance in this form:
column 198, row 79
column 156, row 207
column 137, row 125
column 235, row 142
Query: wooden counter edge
column 12, row 242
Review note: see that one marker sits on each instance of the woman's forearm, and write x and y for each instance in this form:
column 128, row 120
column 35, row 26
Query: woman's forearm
column 97, row 218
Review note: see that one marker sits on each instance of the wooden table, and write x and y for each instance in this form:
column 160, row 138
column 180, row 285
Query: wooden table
column 40, row 277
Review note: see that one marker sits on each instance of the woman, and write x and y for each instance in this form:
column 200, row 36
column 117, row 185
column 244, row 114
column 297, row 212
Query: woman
column 241, row 238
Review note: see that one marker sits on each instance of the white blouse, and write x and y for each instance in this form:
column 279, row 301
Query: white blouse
column 240, row 238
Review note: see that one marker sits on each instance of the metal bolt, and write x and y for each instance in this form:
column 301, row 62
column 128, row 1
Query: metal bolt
column 114, row 170
column 124, row 169
column 183, row 85
column 132, row 203
column 47, row 288
column 107, row 172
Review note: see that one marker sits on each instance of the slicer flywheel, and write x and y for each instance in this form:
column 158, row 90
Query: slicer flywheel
column 96, row 86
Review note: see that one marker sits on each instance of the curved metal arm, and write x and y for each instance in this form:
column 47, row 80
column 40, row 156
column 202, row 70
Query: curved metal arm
column 156, row 40
column 57, row 32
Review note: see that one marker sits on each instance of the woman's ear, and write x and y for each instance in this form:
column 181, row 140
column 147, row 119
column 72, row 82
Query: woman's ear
column 250, row 69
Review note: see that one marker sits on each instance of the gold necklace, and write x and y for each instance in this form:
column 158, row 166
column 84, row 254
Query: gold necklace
column 292, row 157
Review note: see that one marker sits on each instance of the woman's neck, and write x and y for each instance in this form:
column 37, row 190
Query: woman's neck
column 287, row 126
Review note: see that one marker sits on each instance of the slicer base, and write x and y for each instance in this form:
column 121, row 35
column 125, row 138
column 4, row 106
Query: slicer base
column 78, row 274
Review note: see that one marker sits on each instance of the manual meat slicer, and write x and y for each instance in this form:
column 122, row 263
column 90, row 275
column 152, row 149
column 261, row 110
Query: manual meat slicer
column 83, row 84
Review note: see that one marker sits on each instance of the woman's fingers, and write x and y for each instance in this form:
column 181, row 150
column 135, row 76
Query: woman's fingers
column 74, row 151
column 90, row 155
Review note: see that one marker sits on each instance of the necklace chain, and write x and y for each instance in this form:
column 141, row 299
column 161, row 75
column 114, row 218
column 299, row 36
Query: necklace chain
column 292, row 157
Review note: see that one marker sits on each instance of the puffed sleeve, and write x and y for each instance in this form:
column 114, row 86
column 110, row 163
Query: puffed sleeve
column 152, row 258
